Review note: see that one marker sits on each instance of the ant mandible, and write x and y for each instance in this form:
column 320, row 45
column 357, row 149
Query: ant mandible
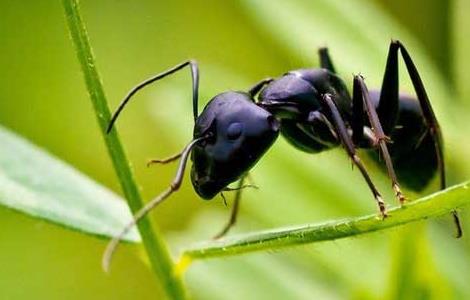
column 314, row 111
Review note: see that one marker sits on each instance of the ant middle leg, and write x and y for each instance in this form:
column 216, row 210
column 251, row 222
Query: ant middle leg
column 325, row 60
column 255, row 89
column 348, row 145
column 361, row 100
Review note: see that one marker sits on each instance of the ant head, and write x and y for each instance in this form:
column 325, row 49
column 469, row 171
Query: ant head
column 239, row 133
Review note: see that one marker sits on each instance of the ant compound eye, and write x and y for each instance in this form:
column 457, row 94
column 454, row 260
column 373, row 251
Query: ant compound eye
column 234, row 130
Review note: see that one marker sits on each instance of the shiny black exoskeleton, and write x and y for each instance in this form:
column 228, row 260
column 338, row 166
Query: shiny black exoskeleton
column 314, row 111
column 240, row 133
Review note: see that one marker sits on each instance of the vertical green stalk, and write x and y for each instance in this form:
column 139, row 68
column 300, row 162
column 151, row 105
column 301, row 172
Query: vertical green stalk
column 404, row 283
column 155, row 246
column 415, row 274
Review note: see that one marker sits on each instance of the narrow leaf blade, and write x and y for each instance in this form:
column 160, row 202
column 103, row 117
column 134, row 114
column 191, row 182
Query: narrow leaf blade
column 38, row 184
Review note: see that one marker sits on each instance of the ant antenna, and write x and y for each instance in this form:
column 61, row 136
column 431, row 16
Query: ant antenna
column 174, row 186
column 195, row 78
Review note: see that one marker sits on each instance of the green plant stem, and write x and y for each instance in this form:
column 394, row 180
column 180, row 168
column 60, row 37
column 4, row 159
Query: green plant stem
column 156, row 248
column 437, row 204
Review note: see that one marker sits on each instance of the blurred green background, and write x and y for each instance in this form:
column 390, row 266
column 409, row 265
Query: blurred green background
column 43, row 97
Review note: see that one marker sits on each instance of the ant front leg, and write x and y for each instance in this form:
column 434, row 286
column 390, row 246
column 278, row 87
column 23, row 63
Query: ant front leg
column 361, row 94
column 174, row 186
column 348, row 145
column 235, row 209
column 165, row 160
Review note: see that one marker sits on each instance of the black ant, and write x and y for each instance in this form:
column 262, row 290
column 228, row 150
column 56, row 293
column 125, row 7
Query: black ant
column 314, row 111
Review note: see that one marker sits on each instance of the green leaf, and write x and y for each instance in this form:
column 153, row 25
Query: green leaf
column 34, row 182
column 431, row 206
